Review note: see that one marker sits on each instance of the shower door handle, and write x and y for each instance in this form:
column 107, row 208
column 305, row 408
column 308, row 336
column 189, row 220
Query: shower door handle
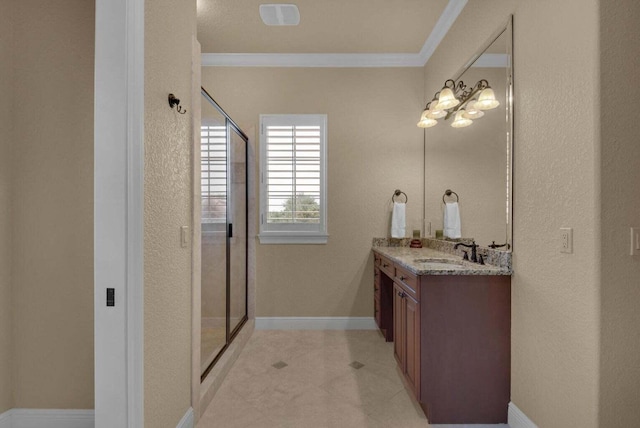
column 230, row 230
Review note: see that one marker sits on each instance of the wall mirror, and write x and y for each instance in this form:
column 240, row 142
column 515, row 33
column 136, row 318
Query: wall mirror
column 476, row 161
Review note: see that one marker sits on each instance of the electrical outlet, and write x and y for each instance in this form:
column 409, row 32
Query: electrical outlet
column 566, row 240
column 635, row 241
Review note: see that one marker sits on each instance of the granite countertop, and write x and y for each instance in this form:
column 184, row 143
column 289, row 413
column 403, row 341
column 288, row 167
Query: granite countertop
column 439, row 263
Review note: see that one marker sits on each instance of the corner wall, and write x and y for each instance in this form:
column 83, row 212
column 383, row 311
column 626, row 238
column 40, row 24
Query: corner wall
column 374, row 147
column 169, row 29
column 6, row 138
column 555, row 297
column 52, row 204
column 620, row 165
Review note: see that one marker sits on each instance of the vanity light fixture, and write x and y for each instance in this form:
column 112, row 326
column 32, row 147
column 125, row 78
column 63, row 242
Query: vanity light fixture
column 457, row 100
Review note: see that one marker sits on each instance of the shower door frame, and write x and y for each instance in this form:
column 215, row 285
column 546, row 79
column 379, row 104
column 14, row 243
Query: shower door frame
column 231, row 126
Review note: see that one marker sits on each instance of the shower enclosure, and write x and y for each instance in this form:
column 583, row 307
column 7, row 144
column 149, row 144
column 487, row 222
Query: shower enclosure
column 223, row 184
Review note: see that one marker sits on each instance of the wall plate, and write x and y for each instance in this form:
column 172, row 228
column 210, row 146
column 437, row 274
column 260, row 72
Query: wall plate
column 635, row 241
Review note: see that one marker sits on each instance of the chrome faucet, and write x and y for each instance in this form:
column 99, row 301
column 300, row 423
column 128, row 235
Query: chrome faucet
column 474, row 247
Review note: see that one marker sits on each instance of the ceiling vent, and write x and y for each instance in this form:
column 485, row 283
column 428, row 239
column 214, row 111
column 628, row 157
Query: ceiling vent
column 280, row 14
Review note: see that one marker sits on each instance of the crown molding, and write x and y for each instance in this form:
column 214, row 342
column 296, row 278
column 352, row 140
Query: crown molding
column 310, row 60
column 333, row 60
column 446, row 20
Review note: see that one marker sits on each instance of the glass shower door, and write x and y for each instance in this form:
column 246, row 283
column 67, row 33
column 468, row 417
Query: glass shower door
column 223, row 184
column 214, row 190
column 237, row 214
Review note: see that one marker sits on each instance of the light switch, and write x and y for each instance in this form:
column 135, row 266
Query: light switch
column 184, row 236
column 635, row 241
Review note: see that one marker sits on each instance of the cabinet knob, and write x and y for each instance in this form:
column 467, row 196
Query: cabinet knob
column 384, row 265
column 402, row 278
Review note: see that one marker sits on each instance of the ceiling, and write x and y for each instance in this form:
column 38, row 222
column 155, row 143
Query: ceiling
column 326, row 26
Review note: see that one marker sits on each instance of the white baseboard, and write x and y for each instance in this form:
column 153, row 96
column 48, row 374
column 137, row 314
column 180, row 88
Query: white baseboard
column 315, row 323
column 50, row 418
column 187, row 420
column 517, row 419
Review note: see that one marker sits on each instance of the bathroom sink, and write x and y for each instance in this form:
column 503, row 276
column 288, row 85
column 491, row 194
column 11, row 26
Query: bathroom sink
column 438, row 263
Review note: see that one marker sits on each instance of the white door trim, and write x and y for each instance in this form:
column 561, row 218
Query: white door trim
column 118, row 213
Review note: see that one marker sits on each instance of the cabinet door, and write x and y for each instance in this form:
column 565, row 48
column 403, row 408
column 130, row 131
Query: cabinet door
column 412, row 343
column 398, row 325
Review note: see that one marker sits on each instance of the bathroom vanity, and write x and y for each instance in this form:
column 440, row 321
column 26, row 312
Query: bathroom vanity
column 449, row 320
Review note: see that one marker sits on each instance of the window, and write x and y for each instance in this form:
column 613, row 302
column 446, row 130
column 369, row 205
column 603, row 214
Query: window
column 293, row 207
column 213, row 177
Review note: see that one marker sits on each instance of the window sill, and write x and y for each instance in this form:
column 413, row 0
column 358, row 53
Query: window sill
column 288, row 238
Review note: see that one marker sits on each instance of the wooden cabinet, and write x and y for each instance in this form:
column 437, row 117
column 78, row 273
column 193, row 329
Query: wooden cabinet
column 387, row 267
column 452, row 340
column 383, row 301
column 465, row 360
column 406, row 333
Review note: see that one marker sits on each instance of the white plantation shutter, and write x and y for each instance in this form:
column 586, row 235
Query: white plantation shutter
column 213, row 155
column 293, row 193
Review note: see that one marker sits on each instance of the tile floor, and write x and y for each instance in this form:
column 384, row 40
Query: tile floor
column 315, row 379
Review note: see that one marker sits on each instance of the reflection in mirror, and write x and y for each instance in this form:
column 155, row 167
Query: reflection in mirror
column 475, row 161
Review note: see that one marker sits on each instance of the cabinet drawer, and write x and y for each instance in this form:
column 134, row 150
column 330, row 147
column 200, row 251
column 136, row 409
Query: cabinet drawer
column 387, row 267
column 409, row 281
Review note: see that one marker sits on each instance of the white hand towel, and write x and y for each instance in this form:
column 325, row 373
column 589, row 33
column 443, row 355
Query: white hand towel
column 452, row 220
column 398, row 220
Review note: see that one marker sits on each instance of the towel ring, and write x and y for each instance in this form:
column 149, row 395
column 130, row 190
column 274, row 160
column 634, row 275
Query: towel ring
column 448, row 192
column 399, row 192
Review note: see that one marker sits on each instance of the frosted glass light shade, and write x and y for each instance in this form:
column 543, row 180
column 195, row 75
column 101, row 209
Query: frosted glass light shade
column 446, row 100
column 460, row 121
column 487, row 100
column 471, row 112
column 434, row 113
column 426, row 121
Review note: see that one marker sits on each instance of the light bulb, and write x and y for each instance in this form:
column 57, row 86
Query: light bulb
column 460, row 121
column 487, row 100
column 446, row 100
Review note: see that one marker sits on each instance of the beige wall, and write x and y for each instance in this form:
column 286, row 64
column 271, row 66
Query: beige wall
column 169, row 29
column 555, row 297
column 52, row 204
column 472, row 161
column 374, row 147
column 6, row 138
column 620, row 165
